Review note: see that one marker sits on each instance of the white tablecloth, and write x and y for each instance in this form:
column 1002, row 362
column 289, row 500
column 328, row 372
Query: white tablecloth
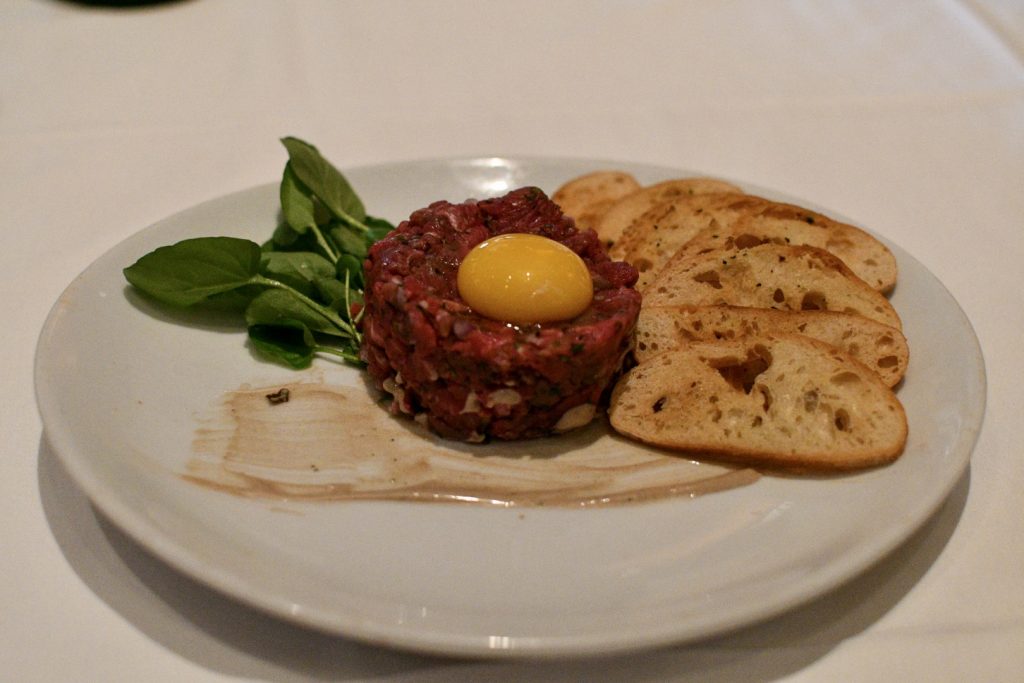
column 907, row 116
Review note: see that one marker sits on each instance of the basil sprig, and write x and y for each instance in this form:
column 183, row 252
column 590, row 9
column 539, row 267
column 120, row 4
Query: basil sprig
column 301, row 290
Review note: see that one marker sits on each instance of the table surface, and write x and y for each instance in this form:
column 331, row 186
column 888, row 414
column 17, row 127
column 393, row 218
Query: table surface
column 908, row 117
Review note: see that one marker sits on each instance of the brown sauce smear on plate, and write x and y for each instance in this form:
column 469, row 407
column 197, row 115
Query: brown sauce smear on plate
column 337, row 443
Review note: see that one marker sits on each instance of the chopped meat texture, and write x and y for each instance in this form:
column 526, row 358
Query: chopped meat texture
column 473, row 378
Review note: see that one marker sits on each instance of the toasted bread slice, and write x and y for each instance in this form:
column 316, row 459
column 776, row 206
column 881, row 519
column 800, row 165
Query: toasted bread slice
column 780, row 401
column 654, row 237
column 723, row 221
column 769, row 276
column 744, row 221
column 586, row 197
column 624, row 211
column 880, row 347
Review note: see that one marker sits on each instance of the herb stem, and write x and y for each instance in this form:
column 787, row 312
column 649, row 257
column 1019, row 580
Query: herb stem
column 341, row 353
column 351, row 222
column 329, row 251
column 348, row 308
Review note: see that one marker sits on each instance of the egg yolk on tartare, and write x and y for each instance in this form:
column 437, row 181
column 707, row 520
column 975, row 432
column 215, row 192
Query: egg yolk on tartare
column 523, row 279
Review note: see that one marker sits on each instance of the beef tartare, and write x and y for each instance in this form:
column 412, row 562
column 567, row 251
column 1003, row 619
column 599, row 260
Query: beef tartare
column 470, row 377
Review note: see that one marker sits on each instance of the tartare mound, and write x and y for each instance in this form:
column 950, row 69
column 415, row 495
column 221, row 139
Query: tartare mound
column 472, row 378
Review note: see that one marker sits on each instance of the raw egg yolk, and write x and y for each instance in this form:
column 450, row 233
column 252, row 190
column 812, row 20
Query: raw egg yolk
column 521, row 278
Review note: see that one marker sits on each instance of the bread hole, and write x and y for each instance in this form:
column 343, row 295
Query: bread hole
column 746, row 241
column 842, row 420
column 709, row 277
column 778, row 296
column 884, row 341
column 741, row 374
column 870, row 262
column 641, row 345
column 813, row 301
column 642, row 264
column 757, row 421
column 697, row 325
column 845, row 377
column 716, row 415
column 888, row 362
column 766, row 397
column 659, row 405
column 811, row 400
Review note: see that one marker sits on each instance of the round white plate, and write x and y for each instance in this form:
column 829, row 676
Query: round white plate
column 120, row 385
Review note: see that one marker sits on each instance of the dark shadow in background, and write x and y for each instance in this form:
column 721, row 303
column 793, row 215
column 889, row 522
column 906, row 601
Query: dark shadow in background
column 122, row 4
column 223, row 635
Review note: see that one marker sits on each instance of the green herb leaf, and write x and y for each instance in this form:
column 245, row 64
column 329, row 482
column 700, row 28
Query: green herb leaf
column 297, row 269
column 350, row 241
column 286, row 239
column 332, row 291
column 194, row 270
column 283, row 344
column 283, row 307
column 325, row 181
column 296, row 202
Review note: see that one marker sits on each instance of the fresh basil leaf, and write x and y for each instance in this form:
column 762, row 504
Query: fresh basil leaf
column 284, row 344
column 284, row 236
column 286, row 239
column 283, row 307
column 337, row 296
column 193, row 270
column 296, row 202
column 234, row 301
column 297, row 269
column 324, row 180
column 350, row 241
column 331, row 290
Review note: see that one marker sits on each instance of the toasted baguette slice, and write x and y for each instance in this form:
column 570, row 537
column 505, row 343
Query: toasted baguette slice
column 723, row 221
column 879, row 347
column 624, row 211
column 769, row 276
column 782, row 401
column 746, row 223
column 654, row 237
column 586, row 197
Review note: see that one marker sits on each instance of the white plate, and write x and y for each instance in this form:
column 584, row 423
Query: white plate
column 120, row 388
